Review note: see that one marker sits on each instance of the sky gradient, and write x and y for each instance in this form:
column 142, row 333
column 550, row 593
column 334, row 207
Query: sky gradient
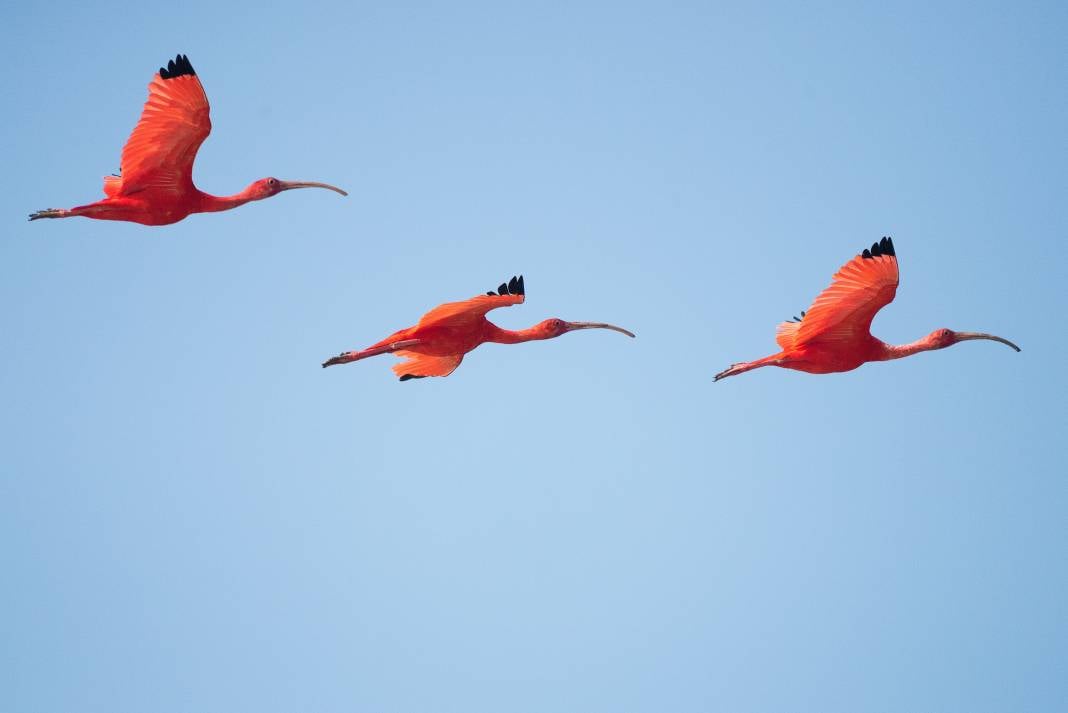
column 195, row 516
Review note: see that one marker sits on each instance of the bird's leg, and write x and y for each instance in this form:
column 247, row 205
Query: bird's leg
column 50, row 213
column 742, row 367
column 104, row 210
column 346, row 357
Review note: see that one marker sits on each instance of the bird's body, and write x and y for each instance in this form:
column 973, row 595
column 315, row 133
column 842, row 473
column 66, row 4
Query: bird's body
column 834, row 334
column 437, row 344
column 155, row 185
column 151, row 206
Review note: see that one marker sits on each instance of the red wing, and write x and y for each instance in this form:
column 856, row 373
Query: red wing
column 112, row 185
column 173, row 125
column 456, row 314
column 844, row 311
column 419, row 365
column 785, row 334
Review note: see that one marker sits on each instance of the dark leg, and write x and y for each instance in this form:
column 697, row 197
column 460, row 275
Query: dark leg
column 51, row 213
column 346, row 357
column 742, row 367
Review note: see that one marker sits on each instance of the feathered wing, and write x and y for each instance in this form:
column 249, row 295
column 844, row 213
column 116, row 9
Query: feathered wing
column 418, row 365
column 844, row 311
column 785, row 334
column 457, row 314
column 112, row 185
column 174, row 123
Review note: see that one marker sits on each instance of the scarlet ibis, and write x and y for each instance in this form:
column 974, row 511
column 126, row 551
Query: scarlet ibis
column 834, row 334
column 436, row 346
column 155, row 185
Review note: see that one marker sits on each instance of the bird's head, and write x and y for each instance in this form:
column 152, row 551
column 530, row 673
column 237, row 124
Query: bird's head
column 267, row 187
column 555, row 327
column 942, row 338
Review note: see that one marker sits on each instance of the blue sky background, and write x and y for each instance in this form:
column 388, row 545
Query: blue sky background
column 195, row 516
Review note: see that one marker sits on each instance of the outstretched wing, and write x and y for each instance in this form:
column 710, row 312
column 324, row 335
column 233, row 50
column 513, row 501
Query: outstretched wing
column 844, row 311
column 173, row 125
column 786, row 333
column 419, row 365
column 458, row 314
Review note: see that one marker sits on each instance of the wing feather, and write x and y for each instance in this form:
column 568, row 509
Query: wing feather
column 464, row 313
column 845, row 310
column 786, row 333
column 418, row 365
column 112, row 185
column 161, row 150
column 467, row 311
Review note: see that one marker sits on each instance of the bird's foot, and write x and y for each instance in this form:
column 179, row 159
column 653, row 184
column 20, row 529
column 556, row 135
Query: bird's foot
column 342, row 358
column 49, row 213
column 729, row 371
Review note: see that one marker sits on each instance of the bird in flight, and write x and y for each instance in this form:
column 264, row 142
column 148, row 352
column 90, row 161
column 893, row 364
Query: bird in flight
column 834, row 334
column 155, row 185
column 436, row 346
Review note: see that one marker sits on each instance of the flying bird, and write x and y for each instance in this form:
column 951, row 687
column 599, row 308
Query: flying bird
column 436, row 346
column 155, row 181
column 834, row 334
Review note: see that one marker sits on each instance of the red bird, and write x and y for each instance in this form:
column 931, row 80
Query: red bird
column 834, row 335
column 156, row 182
column 436, row 346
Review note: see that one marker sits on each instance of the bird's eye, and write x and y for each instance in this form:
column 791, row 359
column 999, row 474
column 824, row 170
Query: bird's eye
column 271, row 181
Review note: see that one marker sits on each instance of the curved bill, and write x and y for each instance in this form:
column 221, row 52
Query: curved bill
column 963, row 336
column 597, row 325
column 289, row 185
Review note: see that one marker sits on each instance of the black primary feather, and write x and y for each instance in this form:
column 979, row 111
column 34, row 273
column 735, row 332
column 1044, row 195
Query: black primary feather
column 406, row 377
column 177, row 67
column 883, row 247
column 512, row 287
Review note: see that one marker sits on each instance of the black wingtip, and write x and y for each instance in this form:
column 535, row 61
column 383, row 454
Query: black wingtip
column 883, row 247
column 512, row 287
column 177, row 67
column 407, row 377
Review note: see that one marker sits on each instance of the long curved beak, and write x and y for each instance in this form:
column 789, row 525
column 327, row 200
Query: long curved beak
column 289, row 185
column 597, row 325
column 964, row 336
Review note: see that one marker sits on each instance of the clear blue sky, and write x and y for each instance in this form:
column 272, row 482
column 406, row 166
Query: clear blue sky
column 195, row 517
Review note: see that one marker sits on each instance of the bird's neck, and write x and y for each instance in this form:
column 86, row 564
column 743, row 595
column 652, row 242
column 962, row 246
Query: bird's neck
column 214, row 204
column 512, row 336
column 899, row 351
